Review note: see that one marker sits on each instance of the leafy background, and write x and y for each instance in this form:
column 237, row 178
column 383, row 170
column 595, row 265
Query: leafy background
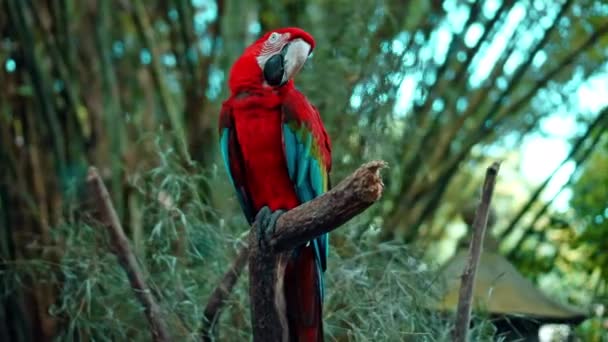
column 438, row 89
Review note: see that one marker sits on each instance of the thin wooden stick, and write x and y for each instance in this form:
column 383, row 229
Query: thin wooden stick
column 218, row 297
column 119, row 244
column 465, row 297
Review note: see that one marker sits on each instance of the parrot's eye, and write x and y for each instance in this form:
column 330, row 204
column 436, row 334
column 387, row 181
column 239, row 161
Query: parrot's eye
column 274, row 37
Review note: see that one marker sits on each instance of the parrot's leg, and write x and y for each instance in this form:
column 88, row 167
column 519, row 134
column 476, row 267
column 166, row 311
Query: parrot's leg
column 265, row 222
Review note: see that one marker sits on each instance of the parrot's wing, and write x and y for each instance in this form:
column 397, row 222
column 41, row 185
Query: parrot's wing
column 308, row 155
column 233, row 160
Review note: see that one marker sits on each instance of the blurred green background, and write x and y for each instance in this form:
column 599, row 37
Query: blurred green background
column 439, row 89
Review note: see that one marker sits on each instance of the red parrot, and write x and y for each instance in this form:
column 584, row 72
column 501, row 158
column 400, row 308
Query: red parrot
column 278, row 155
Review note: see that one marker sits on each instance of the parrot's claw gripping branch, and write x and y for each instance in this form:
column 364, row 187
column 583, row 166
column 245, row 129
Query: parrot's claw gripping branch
column 265, row 222
column 294, row 228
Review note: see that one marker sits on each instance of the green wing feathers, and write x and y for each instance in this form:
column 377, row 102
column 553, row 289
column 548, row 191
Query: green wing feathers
column 308, row 157
column 304, row 161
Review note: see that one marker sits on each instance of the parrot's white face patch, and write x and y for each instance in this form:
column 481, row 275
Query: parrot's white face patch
column 293, row 54
column 272, row 46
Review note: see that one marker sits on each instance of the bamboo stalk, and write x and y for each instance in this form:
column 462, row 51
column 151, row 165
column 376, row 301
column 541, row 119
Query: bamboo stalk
column 146, row 34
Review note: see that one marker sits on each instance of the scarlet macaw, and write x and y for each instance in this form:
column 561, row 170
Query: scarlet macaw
column 278, row 155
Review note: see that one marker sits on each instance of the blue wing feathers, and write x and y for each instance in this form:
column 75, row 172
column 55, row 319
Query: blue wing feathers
column 316, row 179
column 303, row 161
column 241, row 193
column 290, row 143
column 306, row 172
column 224, row 148
column 305, row 192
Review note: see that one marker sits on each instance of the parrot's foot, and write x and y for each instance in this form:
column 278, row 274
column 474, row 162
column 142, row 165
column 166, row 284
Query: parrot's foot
column 266, row 221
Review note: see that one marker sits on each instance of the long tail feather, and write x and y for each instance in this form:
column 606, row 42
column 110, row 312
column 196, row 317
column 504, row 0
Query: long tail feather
column 303, row 296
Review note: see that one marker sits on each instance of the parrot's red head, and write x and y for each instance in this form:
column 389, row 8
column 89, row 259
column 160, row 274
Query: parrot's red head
column 271, row 61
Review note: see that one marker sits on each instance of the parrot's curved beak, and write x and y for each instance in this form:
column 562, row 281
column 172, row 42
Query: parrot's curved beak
column 297, row 51
column 283, row 66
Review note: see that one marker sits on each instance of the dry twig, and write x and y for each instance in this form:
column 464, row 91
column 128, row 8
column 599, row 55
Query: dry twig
column 119, row 244
column 220, row 294
column 465, row 296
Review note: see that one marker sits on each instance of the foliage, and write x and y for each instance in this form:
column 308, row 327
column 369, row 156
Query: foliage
column 134, row 87
column 381, row 291
column 591, row 226
column 564, row 252
column 589, row 206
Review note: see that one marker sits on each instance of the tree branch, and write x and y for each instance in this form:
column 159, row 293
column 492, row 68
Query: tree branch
column 296, row 227
column 119, row 245
column 559, row 68
column 465, row 296
column 489, row 27
column 218, row 297
column 421, row 111
column 328, row 212
column 449, row 168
